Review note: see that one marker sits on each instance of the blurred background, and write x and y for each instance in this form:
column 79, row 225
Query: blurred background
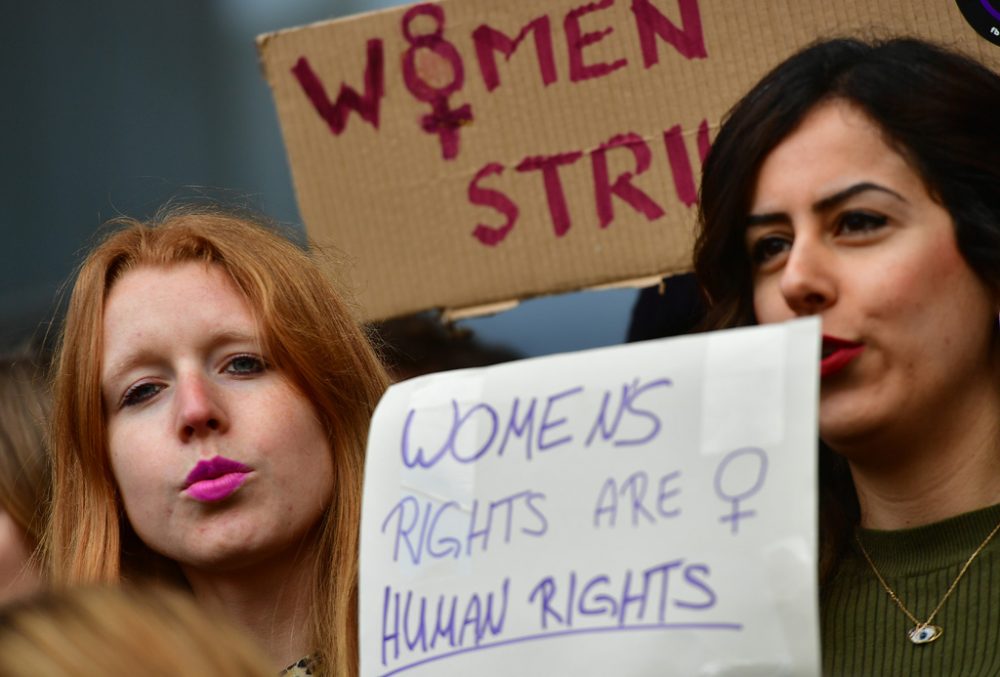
column 115, row 107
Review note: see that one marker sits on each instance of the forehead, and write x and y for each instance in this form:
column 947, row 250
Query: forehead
column 157, row 306
column 836, row 145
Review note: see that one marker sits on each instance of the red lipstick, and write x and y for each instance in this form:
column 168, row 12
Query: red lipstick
column 216, row 479
column 837, row 354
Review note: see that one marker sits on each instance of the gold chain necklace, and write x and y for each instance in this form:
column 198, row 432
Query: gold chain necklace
column 923, row 632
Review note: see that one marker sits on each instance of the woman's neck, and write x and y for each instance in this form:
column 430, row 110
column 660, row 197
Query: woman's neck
column 272, row 602
column 949, row 466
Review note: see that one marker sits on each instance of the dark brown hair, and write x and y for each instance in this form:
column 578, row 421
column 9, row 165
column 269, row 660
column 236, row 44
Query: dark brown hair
column 937, row 108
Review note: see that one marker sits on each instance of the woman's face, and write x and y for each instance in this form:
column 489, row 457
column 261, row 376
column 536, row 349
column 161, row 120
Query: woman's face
column 220, row 462
column 842, row 227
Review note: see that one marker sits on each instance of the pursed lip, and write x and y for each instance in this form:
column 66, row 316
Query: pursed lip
column 837, row 353
column 215, row 479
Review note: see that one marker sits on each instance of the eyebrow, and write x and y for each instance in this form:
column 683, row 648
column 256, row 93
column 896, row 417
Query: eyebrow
column 136, row 359
column 824, row 205
column 114, row 377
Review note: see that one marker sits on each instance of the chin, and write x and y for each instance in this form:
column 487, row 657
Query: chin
column 223, row 551
column 220, row 559
column 847, row 431
column 233, row 552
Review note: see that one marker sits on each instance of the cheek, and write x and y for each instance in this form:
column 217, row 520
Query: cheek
column 299, row 446
column 768, row 302
column 933, row 287
column 320, row 464
column 133, row 467
column 315, row 461
column 121, row 466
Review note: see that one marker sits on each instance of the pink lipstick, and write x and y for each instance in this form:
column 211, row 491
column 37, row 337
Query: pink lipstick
column 837, row 354
column 216, row 479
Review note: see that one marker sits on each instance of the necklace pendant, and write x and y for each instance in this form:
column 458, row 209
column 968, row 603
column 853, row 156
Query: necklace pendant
column 924, row 633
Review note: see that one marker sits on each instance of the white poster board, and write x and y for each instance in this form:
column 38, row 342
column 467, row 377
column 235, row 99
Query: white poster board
column 639, row 510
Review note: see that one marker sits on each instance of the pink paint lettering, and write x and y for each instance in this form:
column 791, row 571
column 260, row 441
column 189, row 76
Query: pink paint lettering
column 605, row 189
column 680, row 163
column 489, row 40
column 689, row 41
column 549, row 166
column 622, row 186
column 443, row 120
column 488, row 197
column 704, row 143
column 335, row 113
column 433, row 72
column 577, row 40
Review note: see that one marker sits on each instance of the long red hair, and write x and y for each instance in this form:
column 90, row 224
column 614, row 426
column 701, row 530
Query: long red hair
column 311, row 336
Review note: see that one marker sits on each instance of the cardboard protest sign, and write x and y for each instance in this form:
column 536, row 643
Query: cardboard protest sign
column 642, row 509
column 470, row 152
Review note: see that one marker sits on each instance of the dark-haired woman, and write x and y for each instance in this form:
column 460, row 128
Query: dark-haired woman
column 861, row 182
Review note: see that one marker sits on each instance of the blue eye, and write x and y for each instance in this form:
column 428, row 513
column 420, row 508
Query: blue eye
column 860, row 222
column 245, row 365
column 139, row 393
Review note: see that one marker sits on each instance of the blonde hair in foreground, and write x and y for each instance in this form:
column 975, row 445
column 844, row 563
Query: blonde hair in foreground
column 122, row 632
column 309, row 335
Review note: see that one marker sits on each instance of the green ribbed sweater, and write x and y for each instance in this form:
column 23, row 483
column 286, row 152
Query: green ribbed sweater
column 864, row 632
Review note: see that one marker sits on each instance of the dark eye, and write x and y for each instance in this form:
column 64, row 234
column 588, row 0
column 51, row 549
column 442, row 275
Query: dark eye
column 860, row 222
column 139, row 393
column 769, row 247
column 245, row 365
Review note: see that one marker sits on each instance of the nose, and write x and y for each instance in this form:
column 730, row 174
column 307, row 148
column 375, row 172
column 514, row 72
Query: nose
column 200, row 408
column 808, row 282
